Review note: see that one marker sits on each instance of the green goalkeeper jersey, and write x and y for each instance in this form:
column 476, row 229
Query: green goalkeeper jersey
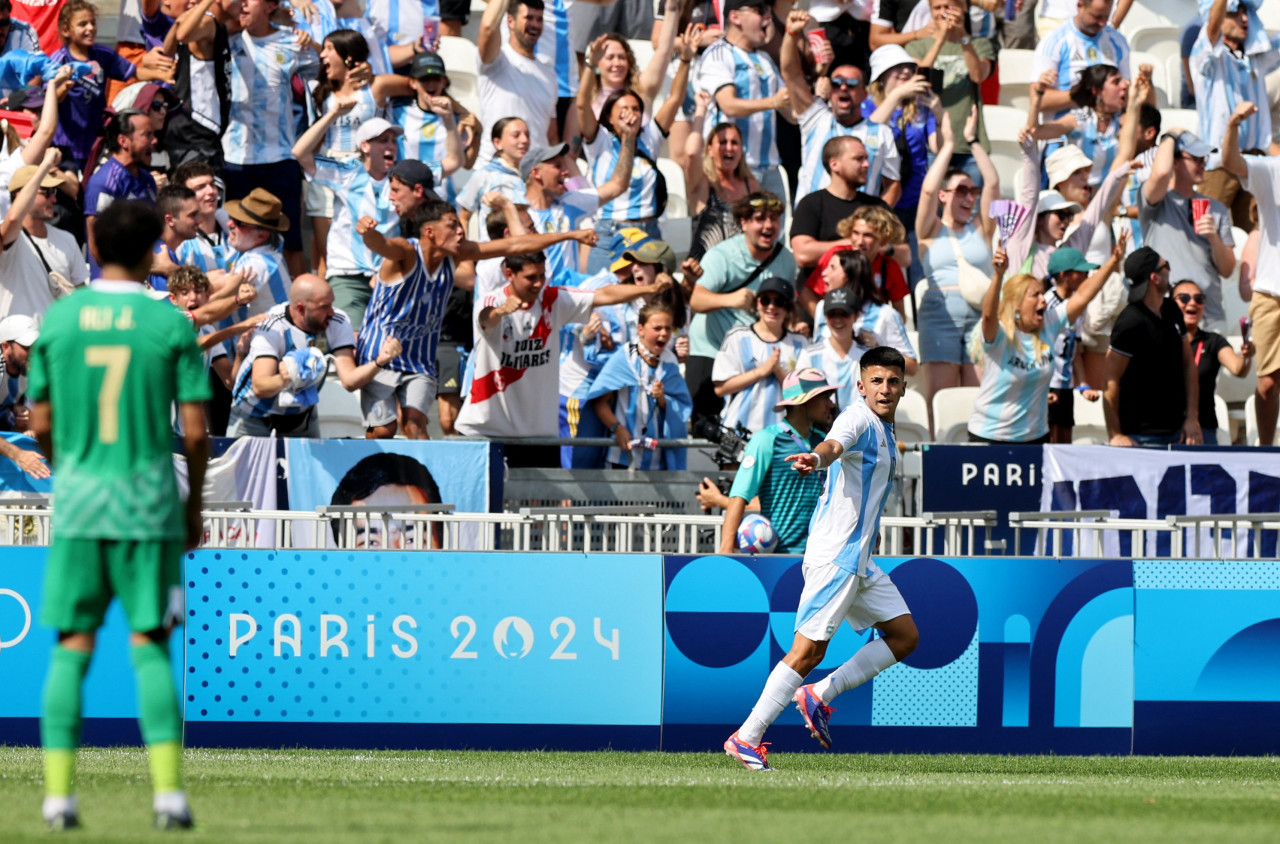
column 111, row 361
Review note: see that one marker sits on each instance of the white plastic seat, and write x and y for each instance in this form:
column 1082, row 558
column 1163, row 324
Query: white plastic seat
column 677, row 192
column 1090, row 422
column 952, row 408
column 1003, row 122
column 1224, row 421
column 911, row 422
column 1015, row 78
column 678, row 234
column 1006, row 157
column 1251, row 421
column 339, row 410
column 1183, row 118
column 462, row 61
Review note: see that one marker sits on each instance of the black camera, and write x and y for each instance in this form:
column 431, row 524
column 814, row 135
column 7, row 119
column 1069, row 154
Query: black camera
column 730, row 442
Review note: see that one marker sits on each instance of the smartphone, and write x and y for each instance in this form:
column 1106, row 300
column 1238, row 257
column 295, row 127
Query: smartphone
column 1246, row 323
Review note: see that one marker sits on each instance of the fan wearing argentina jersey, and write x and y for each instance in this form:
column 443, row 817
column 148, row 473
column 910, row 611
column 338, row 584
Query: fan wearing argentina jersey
column 254, row 225
column 1230, row 63
column 841, row 583
column 208, row 249
column 424, row 264
column 321, row 17
column 276, row 390
column 746, row 87
column 1100, row 97
column 260, row 134
column 429, row 136
column 199, row 44
column 554, row 208
column 511, row 140
column 820, row 121
column 640, row 396
column 1017, row 336
column 361, row 189
column 787, row 498
column 401, row 22
column 18, row 333
column 1067, row 270
column 1087, row 39
column 853, row 326
column 755, row 359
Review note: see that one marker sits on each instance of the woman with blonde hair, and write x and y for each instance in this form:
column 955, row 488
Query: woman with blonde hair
column 716, row 176
column 1015, row 339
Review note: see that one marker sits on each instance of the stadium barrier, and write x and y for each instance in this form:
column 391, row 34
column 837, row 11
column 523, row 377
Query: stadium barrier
column 645, row 651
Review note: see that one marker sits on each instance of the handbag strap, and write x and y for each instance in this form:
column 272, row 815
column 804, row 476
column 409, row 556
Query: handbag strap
column 957, row 251
column 777, row 250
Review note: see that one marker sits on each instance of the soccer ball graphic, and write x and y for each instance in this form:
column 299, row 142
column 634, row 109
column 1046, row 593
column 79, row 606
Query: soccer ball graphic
column 756, row 535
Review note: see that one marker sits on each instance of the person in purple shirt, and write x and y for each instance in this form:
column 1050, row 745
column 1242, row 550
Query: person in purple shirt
column 130, row 141
column 80, row 114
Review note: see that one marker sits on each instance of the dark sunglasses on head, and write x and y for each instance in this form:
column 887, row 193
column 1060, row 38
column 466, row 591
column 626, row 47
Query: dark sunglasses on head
column 845, row 82
column 767, row 204
column 1186, row 298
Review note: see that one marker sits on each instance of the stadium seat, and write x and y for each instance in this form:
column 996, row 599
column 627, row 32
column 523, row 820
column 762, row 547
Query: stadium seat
column 1224, row 421
column 1091, row 423
column 1181, row 118
column 339, row 410
column 1235, row 390
column 786, row 193
column 1250, row 422
column 1006, row 157
column 1151, row 39
column 1003, row 122
column 678, row 234
column 952, row 408
column 677, row 194
column 1014, row 69
column 1149, row 14
column 911, row 423
column 642, row 50
column 913, row 337
column 1232, row 304
column 462, row 60
column 1160, row 42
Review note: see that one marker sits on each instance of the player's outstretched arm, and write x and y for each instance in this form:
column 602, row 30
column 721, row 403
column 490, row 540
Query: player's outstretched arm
column 472, row 251
column 827, row 452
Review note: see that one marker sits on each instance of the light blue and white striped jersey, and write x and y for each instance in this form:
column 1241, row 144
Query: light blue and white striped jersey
column 200, row 252
column 424, row 140
column 818, row 125
column 270, row 276
column 638, row 410
column 401, row 21
column 1064, row 347
column 841, row 370
column 565, row 215
column 1099, row 145
column 356, row 194
column 881, row 320
column 275, row 337
column 496, row 175
column 1132, row 185
column 846, row 524
column 580, row 362
column 328, row 20
column 22, row 36
column 753, row 76
column 410, row 310
column 1013, row 399
column 743, row 350
column 341, row 136
column 640, row 200
column 553, row 47
column 260, row 129
column 1223, row 81
column 1069, row 51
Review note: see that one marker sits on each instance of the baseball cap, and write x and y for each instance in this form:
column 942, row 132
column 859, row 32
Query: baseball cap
column 1051, row 200
column 20, row 329
column 1138, row 268
column 23, row 175
column 30, row 97
column 887, row 57
column 652, row 251
column 427, row 64
column 1189, row 144
column 622, row 243
column 1063, row 162
column 838, row 299
column 539, row 155
column 412, row 172
column 1066, row 259
column 781, row 286
column 731, row 5
column 800, row 386
column 371, row 129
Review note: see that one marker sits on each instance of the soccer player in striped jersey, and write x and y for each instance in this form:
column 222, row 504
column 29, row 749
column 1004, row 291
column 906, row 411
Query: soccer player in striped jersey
column 746, row 87
column 820, row 120
column 841, row 583
column 414, row 283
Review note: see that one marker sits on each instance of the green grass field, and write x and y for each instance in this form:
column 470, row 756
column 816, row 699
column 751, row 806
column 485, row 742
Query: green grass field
column 317, row 796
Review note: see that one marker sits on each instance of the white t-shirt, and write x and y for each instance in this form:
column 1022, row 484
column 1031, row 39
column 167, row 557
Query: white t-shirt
column 62, row 253
column 513, row 86
column 1263, row 182
column 24, row 284
column 516, row 388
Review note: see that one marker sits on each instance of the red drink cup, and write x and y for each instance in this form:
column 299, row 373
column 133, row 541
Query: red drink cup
column 1199, row 207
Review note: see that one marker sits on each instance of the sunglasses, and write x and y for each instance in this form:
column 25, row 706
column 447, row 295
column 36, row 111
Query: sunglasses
column 767, row 204
column 1163, row 267
column 842, row 82
column 962, row 191
column 49, row 192
column 1064, row 214
column 159, row 105
column 774, row 302
column 1187, row 298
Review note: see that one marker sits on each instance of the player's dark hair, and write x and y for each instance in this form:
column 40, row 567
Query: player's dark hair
column 193, row 170
column 496, row 223
column 385, row 469
column 516, row 263
column 835, row 147
column 886, row 356
column 431, row 211
column 170, row 198
column 125, row 233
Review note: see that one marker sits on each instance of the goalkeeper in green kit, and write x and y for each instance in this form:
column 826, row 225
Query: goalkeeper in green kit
column 109, row 366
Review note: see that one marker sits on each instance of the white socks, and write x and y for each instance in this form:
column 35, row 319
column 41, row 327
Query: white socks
column 872, row 658
column 778, row 691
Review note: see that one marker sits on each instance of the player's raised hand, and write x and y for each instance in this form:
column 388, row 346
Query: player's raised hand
column 804, row 463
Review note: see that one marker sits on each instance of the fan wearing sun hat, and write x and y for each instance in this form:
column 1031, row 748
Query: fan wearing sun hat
column 254, row 231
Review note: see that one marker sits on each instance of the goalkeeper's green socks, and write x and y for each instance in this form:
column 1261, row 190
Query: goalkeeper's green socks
column 61, row 722
column 159, row 715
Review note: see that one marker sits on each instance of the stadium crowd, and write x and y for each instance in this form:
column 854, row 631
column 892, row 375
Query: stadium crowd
column 825, row 178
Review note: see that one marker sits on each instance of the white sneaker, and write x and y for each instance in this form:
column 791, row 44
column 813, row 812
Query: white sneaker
column 172, row 811
column 60, row 813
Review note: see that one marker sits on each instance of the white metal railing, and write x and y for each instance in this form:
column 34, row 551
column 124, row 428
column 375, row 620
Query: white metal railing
column 641, row 529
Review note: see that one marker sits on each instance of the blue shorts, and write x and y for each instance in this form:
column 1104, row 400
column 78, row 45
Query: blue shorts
column 944, row 322
column 578, row 419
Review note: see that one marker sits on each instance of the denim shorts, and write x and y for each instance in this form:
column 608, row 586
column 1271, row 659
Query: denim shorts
column 944, row 322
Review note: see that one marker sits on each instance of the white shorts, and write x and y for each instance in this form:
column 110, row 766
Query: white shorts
column 378, row 398
column 832, row 595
